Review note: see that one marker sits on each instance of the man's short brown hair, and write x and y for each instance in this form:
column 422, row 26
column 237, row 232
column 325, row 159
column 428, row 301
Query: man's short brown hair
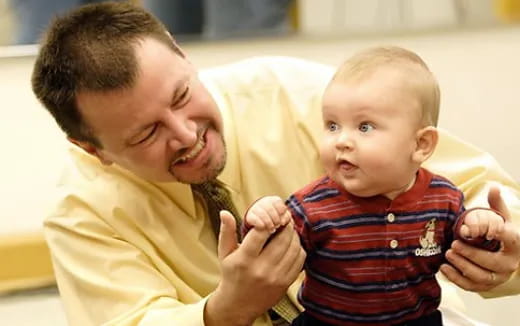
column 91, row 48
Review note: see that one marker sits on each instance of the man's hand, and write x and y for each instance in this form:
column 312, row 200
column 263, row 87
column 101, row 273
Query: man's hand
column 255, row 275
column 481, row 270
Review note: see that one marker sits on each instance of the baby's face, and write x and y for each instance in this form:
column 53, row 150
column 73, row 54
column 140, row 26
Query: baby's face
column 370, row 129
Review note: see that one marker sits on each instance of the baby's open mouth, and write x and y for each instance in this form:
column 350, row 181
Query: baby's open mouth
column 346, row 165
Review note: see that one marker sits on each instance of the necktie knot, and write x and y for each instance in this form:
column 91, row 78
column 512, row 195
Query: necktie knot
column 215, row 191
column 217, row 198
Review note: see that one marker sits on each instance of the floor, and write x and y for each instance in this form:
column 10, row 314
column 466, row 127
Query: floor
column 35, row 308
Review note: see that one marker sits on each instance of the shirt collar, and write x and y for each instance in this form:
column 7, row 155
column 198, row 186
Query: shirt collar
column 403, row 202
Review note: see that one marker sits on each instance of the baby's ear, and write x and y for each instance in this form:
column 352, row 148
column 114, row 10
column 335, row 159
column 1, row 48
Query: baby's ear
column 425, row 142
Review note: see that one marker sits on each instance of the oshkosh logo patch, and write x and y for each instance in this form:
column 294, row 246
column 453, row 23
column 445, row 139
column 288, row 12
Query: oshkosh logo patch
column 428, row 245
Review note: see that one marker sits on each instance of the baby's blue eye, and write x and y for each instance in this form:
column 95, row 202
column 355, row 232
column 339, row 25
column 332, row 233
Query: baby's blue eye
column 332, row 126
column 365, row 127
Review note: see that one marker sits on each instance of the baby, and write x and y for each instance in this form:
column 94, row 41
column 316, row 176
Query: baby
column 377, row 225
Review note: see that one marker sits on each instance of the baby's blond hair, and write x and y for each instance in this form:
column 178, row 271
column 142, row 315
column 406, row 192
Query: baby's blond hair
column 365, row 63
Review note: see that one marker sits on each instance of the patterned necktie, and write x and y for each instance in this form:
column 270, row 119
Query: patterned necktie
column 218, row 198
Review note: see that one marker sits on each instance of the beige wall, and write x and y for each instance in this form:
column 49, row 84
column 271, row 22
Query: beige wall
column 381, row 16
column 31, row 150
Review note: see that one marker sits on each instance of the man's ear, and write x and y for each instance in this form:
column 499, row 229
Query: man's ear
column 91, row 149
column 426, row 141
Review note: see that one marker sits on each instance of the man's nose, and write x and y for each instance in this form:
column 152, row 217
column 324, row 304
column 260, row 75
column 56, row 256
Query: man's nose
column 183, row 132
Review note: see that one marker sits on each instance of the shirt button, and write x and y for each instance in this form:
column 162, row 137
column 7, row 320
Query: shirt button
column 390, row 218
column 394, row 243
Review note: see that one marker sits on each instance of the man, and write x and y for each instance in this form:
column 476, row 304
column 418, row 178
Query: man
column 132, row 242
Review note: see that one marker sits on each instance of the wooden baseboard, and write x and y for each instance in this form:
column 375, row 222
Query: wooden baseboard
column 25, row 262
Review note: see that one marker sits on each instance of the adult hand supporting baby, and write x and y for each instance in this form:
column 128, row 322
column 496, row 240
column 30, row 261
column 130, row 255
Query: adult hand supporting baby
column 477, row 270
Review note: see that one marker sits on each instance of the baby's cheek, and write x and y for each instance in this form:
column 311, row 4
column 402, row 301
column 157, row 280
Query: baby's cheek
column 382, row 163
column 328, row 162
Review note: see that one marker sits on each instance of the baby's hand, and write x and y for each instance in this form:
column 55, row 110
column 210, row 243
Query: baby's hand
column 268, row 213
column 481, row 223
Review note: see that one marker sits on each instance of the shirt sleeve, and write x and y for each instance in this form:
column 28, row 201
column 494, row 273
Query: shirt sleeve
column 104, row 280
column 301, row 222
column 474, row 171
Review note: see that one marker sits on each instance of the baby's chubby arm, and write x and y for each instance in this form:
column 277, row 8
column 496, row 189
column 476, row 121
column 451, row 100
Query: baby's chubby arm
column 267, row 213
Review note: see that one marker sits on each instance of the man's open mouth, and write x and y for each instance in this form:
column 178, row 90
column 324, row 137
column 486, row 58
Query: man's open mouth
column 194, row 151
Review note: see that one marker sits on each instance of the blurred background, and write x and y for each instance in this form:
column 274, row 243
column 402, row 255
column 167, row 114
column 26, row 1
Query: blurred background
column 472, row 46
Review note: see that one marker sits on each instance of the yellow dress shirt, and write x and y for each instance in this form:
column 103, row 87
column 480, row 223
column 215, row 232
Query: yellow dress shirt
column 131, row 252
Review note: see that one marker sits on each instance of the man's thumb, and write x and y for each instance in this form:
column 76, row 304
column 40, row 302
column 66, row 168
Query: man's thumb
column 227, row 239
column 497, row 203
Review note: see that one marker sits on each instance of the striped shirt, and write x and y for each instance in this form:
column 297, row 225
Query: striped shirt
column 372, row 261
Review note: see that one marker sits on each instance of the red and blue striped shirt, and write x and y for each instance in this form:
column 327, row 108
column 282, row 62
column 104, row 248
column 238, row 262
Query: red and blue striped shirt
column 372, row 261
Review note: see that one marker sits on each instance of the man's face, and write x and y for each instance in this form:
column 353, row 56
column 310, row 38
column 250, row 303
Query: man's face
column 370, row 130
column 166, row 127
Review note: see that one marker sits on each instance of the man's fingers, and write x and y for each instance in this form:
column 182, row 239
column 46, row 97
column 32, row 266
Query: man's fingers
column 483, row 268
column 279, row 244
column 471, row 276
column 457, row 278
column 288, row 261
column 463, row 254
column 296, row 268
column 293, row 253
column 227, row 239
column 254, row 241
column 510, row 238
column 495, row 202
column 496, row 225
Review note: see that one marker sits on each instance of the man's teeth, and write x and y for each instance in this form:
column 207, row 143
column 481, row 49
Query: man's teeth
column 194, row 152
